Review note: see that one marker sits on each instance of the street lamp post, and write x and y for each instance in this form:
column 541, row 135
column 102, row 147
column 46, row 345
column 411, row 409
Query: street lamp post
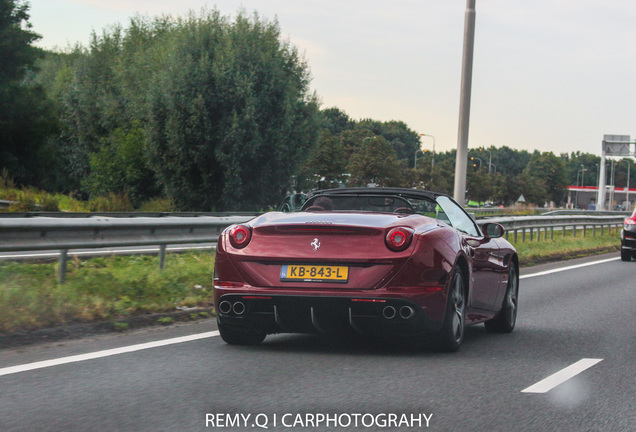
column 473, row 158
column 464, row 105
column 415, row 158
column 580, row 172
column 628, row 207
column 432, row 161
column 583, row 169
column 576, row 198
column 611, row 203
column 489, row 158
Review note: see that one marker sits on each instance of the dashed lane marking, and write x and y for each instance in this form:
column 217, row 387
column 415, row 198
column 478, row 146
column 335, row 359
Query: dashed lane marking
column 547, row 384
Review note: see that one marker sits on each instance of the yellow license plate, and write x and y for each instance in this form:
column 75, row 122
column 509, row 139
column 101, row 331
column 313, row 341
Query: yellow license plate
column 314, row 273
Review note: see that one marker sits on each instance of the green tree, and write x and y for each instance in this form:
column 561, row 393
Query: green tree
column 231, row 115
column 376, row 163
column 507, row 160
column 576, row 162
column 403, row 140
column 217, row 111
column 27, row 118
column 534, row 189
column 505, row 190
column 550, row 169
column 335, row 121
column 326, row 166
column 119, row 166
column 479, row 185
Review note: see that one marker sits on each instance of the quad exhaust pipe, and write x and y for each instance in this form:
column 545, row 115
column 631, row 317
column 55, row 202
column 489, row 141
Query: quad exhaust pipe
column 238, row 308
column 405, row 312
column 388, row 312
column 226, row 307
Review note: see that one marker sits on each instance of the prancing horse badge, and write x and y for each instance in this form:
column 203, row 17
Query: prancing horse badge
column 315, row 244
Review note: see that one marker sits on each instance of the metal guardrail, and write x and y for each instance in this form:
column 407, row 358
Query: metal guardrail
column 65, row 214
column 547, row 224
column 486, row 212
column 41, row 233
column 46, row 233
column 5, row 204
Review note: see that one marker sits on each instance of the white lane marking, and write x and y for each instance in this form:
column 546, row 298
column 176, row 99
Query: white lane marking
column 561, row 376
column 547, row 272
column 104, row 353
column 101, row 252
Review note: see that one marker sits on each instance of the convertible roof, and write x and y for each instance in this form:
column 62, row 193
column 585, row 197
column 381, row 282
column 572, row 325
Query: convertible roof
column 404, row 192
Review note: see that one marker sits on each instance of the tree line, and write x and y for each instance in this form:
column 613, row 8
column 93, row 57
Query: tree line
column 216, row 113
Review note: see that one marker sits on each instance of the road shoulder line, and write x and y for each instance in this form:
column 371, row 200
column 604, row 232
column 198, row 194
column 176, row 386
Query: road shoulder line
column 104, row 353
column 572, row 267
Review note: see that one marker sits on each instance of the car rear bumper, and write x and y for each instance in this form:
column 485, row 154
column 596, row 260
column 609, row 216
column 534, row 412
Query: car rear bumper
column 323, row 314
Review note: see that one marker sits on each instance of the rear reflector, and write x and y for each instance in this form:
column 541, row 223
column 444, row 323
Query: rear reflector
column 229, row 284
column 433, row 289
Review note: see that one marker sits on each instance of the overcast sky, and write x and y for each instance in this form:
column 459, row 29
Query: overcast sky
column 550, row 75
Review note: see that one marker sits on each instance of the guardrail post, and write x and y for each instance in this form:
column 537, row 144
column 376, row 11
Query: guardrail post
column 516, row 232
column 602, row 230
column 584, row 230
column 162, row 256
column 531, row 234
column 61, row 271
column 523, row 235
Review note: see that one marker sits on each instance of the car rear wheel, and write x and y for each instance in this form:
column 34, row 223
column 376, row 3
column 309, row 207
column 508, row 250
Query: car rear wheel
column 505, row 321
column 234, row 336
column 452, row 333
column 626, row 255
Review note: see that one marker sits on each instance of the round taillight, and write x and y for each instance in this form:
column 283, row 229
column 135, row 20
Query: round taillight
column 398, row 239
column 240, row 236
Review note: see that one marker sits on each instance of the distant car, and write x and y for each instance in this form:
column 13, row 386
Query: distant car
column 628, row 238
column 393, row 263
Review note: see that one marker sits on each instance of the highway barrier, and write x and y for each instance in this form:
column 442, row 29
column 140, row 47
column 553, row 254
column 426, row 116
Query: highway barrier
column 64, row 233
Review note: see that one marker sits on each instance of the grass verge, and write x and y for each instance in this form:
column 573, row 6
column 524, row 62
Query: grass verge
column 116, row 288
column 99, row 289
column 561, row 247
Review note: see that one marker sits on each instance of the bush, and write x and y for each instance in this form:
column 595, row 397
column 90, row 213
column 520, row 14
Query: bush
column 113, row 202
column 157, row 205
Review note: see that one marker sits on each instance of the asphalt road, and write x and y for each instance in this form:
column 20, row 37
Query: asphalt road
column 568, row 318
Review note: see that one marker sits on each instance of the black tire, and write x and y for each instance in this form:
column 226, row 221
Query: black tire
column 234, row 336
column 626, row 255
column 506, row 319
column 451, row 335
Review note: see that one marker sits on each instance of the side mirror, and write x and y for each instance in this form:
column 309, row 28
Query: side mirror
column 492, row 230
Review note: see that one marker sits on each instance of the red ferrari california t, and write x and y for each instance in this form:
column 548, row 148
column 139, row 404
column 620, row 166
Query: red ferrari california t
column 388, row 262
